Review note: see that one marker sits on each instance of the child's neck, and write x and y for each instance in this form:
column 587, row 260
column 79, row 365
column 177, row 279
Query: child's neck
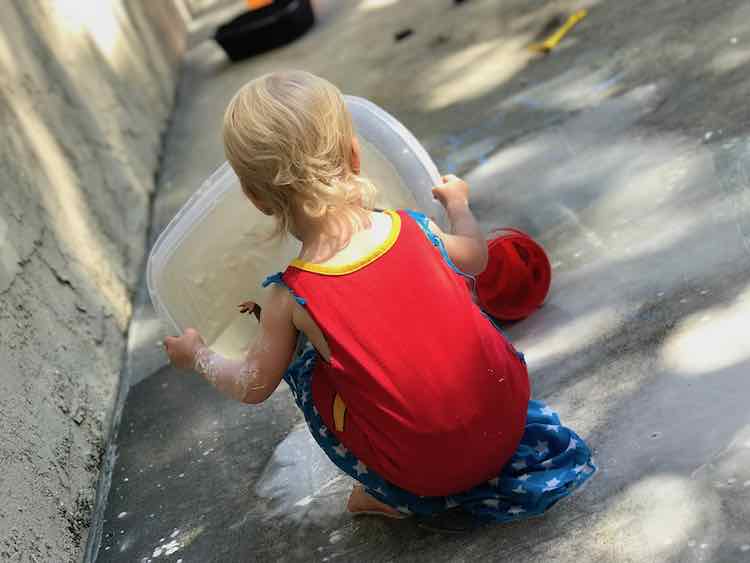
column 323, row 238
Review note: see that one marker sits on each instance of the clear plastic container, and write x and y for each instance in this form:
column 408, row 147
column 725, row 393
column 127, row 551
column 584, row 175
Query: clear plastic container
column 215, row 252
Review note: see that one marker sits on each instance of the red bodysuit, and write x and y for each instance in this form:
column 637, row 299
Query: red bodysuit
column 421, row 387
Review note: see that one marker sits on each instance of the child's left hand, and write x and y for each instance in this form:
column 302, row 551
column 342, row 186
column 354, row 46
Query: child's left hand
column 251, row 308
column 182, row 349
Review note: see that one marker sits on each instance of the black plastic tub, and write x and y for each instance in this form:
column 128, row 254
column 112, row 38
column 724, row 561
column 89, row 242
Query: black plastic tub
column 260, row 30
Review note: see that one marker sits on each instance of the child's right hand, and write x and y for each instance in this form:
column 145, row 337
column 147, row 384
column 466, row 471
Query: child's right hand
column 182, row 349
column 453, row 191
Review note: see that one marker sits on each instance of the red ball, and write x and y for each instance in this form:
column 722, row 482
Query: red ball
column 517, row 278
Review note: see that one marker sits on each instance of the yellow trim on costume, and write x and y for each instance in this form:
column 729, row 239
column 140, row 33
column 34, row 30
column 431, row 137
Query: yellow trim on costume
column 339, row 412
column 381, row 249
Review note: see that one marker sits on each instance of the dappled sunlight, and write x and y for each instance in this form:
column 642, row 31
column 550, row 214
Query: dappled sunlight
column 370, row 5
column 9, row 259
column 474, row 71
column 572, row 90
column 666, row 229
column 710, row 339
column 96, row 99
column 729, row 470
column 655, row 518
column 575, row 331
column 97, row 18
column 582, row 153
column 599, row 189
column 70, row 216
column 730, row 60
column 488, row 176
column 8, row 59
column 644, row 173
column 645, row 193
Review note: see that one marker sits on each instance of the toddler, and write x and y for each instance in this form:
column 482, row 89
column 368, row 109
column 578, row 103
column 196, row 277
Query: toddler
column 403, row 381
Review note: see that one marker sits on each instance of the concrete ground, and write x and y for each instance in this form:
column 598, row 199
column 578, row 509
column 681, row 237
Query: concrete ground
column 626, row 152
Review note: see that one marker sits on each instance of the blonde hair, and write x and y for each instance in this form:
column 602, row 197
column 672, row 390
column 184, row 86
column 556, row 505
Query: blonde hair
column 288, row 136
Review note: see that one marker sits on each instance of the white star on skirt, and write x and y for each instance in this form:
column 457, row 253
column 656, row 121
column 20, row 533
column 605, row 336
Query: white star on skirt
column 515, row 510
column 518, row 464
column 547, row 462
column 360, row 468
column 551, row 485
column 553, row 427
column 303, row 397
column 572, row 445
column 519, row 490
column 450, row 503
column 491, row 502
column 315, row 410
column 578, row 468
column 524, row 477
column 341, row 450
column 403, row 509
column 546, row 411
column 323, row 432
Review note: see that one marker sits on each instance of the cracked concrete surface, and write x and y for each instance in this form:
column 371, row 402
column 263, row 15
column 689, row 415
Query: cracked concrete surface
column 627, row 153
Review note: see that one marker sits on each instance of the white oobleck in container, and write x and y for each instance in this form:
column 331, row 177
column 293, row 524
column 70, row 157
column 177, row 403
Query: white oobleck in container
column 215, row 252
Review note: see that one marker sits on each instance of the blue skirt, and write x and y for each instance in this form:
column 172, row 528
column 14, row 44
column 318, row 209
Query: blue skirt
column 551, row 462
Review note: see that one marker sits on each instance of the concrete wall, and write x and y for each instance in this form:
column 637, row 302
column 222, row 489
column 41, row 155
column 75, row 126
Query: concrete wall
column 87, row 88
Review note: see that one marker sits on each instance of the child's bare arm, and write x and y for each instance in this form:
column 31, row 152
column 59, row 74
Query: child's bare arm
column 465, row 244
column 253, row 378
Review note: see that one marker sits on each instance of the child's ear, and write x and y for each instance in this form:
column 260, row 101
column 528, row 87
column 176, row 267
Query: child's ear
column 356, row 161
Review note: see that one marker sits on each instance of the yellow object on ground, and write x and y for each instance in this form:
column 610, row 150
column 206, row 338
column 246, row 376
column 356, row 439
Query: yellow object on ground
column 255, row 4
column 551, row 42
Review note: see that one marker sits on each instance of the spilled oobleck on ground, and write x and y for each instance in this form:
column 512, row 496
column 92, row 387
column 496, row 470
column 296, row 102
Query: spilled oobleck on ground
column 301, row 481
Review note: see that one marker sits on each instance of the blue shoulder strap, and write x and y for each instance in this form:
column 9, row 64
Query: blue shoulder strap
column 424, row 223
column 279, row 280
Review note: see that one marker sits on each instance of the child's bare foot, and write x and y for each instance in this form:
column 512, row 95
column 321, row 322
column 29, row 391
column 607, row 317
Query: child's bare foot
column 362, row 503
